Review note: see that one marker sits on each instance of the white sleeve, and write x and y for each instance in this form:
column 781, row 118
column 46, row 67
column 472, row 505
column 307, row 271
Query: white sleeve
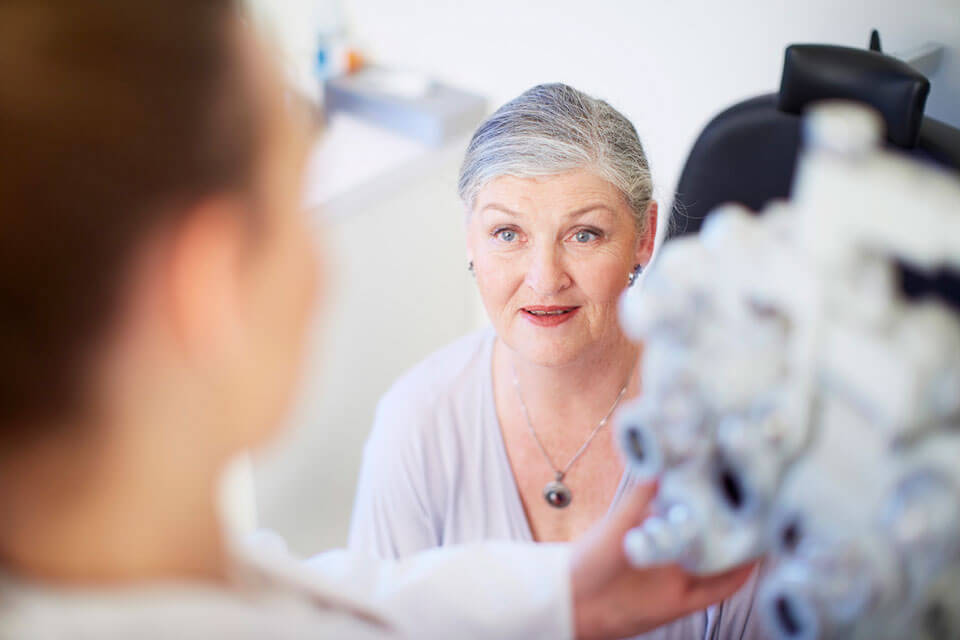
column 392, row 515
column 491, row 591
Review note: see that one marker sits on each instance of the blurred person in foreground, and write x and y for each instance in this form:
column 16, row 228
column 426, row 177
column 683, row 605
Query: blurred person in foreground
column 156, row 280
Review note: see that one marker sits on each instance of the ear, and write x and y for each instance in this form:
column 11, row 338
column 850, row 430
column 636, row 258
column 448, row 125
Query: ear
column 204, row 278
column 647, row 242
column 468, row 236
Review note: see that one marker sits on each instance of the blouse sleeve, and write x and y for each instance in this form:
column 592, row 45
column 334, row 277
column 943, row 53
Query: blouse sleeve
column 392, row 515
column 502, row 590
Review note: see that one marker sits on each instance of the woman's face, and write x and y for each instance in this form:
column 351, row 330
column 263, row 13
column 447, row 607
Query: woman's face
column 552, row 255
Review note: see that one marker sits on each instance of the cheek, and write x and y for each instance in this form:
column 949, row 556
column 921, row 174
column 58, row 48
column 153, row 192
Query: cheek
column 497, row 276
column 278, row 338
column 498, row 280
column 302, row 284
column 601, row 279
column 287, row 290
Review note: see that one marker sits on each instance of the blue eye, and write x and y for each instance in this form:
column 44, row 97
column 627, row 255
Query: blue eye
column 507, row 235
column 584, row 236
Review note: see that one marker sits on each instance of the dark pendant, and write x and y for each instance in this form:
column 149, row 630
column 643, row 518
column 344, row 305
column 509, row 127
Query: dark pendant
column 557, row 494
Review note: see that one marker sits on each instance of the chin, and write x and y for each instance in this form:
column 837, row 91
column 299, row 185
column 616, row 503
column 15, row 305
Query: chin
column 546, row 350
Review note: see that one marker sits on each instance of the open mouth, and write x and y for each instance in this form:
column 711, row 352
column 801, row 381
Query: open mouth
column 549, row 316
column 541, row 312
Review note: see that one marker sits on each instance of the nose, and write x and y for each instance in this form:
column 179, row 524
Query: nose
column 545, row 272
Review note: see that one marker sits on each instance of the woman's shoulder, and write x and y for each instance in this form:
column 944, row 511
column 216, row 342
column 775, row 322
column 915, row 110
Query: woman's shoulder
column 450, row 376
column 429, row 410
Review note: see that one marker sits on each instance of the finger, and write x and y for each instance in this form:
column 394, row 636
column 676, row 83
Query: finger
column 708, row 590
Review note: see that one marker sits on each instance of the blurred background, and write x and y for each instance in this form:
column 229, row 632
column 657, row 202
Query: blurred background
column 382, row 180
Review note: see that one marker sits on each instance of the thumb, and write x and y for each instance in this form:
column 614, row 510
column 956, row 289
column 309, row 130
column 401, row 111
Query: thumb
column 634, row 507
column 599, row 555
column 707, row 590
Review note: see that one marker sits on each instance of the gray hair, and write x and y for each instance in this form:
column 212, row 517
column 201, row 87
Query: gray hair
column 553, row 128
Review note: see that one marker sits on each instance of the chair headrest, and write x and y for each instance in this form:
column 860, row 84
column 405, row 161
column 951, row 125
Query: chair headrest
column 889, row 85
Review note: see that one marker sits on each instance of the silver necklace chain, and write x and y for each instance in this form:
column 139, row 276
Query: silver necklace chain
column 560, row 474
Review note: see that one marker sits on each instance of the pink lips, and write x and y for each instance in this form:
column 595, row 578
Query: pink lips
column 543, row 316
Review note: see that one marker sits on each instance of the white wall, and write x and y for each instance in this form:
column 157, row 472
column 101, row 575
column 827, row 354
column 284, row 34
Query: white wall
column 668, row 65
column 397, row 289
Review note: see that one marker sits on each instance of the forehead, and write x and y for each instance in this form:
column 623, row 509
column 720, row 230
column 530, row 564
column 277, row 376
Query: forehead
column 555, row 194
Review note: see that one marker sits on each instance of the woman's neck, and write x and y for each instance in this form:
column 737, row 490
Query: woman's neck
column 92, row 514
column 579, row 390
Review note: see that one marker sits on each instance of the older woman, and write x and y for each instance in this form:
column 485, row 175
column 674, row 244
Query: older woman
column 156, row 279
column 503, row 434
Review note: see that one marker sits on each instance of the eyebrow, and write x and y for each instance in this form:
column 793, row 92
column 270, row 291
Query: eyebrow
column 576, row 213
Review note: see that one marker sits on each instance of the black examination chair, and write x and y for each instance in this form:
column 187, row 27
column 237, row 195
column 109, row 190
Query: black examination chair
column 747, row 153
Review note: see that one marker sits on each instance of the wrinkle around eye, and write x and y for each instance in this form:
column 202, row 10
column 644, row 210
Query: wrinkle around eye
column 497, row 236
column 596, row 236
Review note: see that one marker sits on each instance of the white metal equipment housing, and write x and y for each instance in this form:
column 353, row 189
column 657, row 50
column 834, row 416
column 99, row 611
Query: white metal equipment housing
column 797, row 406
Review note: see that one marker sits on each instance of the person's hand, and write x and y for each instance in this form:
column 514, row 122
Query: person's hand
column 611, row 599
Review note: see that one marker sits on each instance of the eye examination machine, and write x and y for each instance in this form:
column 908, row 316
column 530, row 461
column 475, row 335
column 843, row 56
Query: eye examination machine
column 802, row 392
